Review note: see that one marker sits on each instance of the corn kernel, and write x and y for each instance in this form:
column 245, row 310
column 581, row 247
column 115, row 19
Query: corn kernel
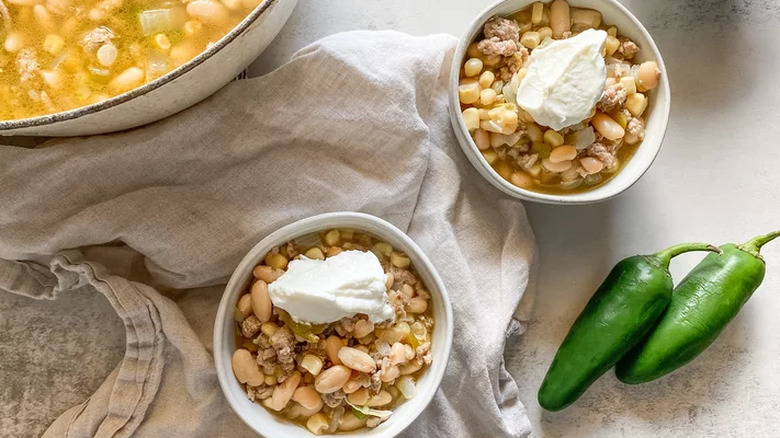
column 537, row 12
column 312, row 364
column 471, row 117
column 468, row 93
column 484, row 114
column 399, row 260
column 621, row 119
column 612, row 31
column 53, row 44
column 545, row 32
column 636, row 104
column 332, row 237
column 315, row 253
column 629, row 84
column 486, row 79
column 486, row 98
column 535, row 170
column 473, row 67
column 611, row 45
column 508, row 118
column 270, row 381
column 276, row 261
column 530, row 39
column 317, row 423
column 162, row 41
column 347, row 234
column 553, row 138
column 192, row 27
column 383, row 248
column 268, row 328
column 490, row 156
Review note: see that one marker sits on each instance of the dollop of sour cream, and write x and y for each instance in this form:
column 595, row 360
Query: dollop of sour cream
column 323, row 291
column 565, row 80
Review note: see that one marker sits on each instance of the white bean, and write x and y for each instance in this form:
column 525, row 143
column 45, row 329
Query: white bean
column 209, row 12
column 261, row 301
column 267, row 273
column 563, row 153
column 308, row 397
column 556, row 167
column 332, row 379
column 560, row 18
column 591, row 165
column 357, row 360
column 131, row 78
column 521, row 179
column 473, row 67
column 648, row 75
column 246, row 369
column 283, row 393
column 607, row 126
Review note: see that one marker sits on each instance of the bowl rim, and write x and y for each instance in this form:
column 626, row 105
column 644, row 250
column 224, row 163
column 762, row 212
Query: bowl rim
column 62, row 116
column 346, row 219
column 486, row 171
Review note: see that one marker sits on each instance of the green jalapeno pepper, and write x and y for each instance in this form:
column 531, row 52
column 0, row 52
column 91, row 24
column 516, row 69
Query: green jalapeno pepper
column 707, row 299
column 621, row 312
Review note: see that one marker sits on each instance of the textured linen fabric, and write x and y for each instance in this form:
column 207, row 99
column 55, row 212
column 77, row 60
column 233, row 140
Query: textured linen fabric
column 357, row 121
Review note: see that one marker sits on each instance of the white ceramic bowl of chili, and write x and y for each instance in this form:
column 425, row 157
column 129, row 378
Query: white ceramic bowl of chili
column 657, row 113
column 271, row 425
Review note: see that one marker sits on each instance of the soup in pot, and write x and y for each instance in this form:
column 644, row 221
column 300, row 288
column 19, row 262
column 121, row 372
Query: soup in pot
column 57, row 55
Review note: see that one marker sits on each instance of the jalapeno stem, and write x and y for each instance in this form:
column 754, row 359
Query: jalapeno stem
column 753, row 246
column 666, row 255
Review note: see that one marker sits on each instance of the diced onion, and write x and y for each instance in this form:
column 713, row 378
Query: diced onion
column 162, row 20
column 157, row 64
column 585, row 138
column 406, row 385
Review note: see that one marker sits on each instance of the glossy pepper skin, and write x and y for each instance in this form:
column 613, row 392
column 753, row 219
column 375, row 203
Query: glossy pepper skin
column 621, row 312
column 707, row 299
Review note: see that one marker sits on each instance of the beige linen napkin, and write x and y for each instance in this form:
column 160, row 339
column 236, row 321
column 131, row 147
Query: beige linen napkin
column 357, row 121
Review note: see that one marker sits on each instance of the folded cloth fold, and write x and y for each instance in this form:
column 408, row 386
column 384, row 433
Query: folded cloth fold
column 357, row 121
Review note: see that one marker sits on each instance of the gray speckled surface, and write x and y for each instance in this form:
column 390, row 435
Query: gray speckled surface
column 53, row 355
column 715, row 179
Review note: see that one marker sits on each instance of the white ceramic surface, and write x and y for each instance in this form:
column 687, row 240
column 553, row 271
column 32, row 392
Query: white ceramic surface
column 272, row 426
column 183, row 87
column 657, row 114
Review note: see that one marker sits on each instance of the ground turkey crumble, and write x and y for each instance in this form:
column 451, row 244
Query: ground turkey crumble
column 601, row 152
column 614, row 97
column 636, row 126
column 513, row 64
column 27, row 64
column 494, row 46
column 627, row 48
column 502, row 39
column 96, row 38
column 502, row 29
column 250, row 326
column 283, row 342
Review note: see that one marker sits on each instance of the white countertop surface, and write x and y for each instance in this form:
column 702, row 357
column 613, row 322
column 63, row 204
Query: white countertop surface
column 715, row 180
